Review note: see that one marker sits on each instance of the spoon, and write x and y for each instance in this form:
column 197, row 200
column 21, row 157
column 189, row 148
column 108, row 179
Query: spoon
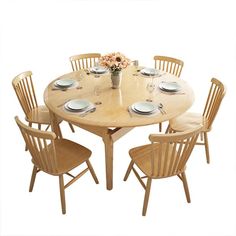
column 160, row 107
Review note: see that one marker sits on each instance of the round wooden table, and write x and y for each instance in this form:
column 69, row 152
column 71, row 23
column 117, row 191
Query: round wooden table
column 112, row 120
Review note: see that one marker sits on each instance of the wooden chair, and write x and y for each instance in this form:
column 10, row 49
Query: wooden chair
column 24, row 88
column 168, row 64
column 166, row 156
column 55, row 157
column 84, row 61
column 189, row 120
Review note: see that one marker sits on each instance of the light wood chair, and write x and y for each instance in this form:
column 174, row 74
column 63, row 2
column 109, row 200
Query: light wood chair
column 24, row 88
column 166, row 156
column 168, row 64
column 55, row 157
column 190, row 120
column 84, row 61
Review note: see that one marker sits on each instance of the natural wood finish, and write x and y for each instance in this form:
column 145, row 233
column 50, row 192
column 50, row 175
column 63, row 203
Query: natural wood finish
column 190, row 120
column 24, row 88
column 166, row 156
column 112, row 120
column 113, row 110
column 168, row 64
column 55, row 156
column 83, row 61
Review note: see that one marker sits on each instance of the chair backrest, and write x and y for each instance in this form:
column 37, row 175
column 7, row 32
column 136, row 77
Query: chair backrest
column 214, row 99
column 169, row 64
column 170, row 152
column 24, row 88
column 84, row 61
column 41, row 146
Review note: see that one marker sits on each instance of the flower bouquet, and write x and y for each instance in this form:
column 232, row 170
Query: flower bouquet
column 115, row 62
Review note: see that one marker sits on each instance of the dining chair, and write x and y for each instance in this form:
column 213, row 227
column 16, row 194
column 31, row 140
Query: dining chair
column 34, row 114
column 190, row 120
column 55, row 157
column 84, row 61
column 166, row 156
column 171, row 65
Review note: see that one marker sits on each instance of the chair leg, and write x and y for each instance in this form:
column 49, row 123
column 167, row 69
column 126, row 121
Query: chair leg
column 62, row 193
column 160, row 127
column 128, row 170
column 185, row 184
column 167, row 129
column 206, row 147
column 26, row 148
column 33, row 176
column 201, row 136
column 92, row 171
column 146, row 197
column 71, row 127
column 47, row 127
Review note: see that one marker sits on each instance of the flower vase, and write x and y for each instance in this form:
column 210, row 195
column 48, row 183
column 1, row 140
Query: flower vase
column 116, row 79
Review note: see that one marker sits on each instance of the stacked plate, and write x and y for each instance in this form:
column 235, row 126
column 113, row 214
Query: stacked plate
column 78, row 105
column 169, row 86
column 98, row 70
column 64, row 83
column 149, row 71
column 144, row 108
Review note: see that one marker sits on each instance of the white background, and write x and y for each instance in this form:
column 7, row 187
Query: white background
column 40, row 36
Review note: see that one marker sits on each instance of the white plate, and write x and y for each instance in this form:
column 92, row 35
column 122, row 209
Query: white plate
column 64, row 83
column 144, row 107
column 149, row 71
column 98, row 70
column 169, row 86
column 77, row 104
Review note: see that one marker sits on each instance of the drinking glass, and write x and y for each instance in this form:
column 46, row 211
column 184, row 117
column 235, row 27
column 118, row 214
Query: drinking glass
column 136, row 66
column 150, row 88
column 97, row 92
column 96, row 64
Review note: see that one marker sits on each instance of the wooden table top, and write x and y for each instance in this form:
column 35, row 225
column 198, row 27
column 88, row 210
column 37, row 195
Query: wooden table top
column 113, row 112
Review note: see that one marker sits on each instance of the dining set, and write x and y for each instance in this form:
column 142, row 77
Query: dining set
column 109, row 95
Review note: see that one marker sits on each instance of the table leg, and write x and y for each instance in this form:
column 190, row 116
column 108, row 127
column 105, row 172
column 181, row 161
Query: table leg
column 107, row 139
column 55, row 124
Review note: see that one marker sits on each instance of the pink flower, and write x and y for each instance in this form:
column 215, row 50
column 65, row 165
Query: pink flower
column 115, row 61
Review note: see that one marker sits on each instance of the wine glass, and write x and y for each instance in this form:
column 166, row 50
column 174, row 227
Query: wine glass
column 79, row 78
column 96, row 64
column 136, row 66
column 97, row 92
column 150, row 88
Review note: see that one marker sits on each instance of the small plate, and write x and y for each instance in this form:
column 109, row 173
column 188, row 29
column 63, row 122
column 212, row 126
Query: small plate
column 149, row 71
column 77, row 104
column 144, row 107
column 169, row 86
column 98, row 70
column 65, row 83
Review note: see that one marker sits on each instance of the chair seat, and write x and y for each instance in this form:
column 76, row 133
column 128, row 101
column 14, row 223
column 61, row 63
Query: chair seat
column 69, row 155
column 39, row 115
column 142, row 158
column 188, row 121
